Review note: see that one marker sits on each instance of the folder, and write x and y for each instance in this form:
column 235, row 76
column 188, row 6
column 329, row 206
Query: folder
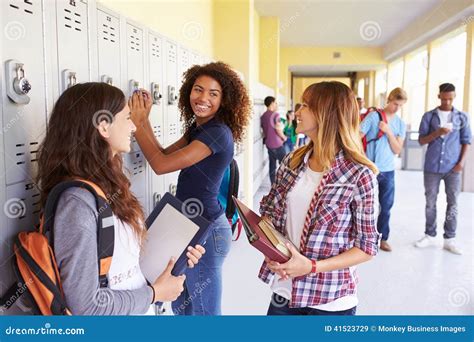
column 172, row 227
column 262, row 235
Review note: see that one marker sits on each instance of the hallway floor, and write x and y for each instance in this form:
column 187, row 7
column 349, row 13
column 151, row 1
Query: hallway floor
column 406, row 281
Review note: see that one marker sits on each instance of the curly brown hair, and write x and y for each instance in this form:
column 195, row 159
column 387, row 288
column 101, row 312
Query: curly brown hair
column 235, row 108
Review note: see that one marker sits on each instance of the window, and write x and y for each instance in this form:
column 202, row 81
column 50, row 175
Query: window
column 380, row 87
column 415, row 86
column 361, row 88
column 395, row 75
column 447, row 64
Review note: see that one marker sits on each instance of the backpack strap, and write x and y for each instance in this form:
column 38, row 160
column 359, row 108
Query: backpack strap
column 105, row 223
column 233, row 189
column 382, row 117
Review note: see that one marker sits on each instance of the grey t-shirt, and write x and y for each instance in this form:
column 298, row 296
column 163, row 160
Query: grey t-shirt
column 75, row 247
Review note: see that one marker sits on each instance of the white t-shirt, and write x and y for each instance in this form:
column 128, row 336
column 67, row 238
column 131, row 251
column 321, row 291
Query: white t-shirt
column 298, row 202
column 125, row 272
column 444, row 118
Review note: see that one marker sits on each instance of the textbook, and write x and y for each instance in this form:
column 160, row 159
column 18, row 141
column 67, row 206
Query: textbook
column 262, row 235
column 172, row 227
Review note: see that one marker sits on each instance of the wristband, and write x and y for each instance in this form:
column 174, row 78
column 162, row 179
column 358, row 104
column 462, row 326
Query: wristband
column 313, row 267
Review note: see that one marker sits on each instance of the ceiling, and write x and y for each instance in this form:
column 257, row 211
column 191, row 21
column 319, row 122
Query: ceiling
column 343, row 22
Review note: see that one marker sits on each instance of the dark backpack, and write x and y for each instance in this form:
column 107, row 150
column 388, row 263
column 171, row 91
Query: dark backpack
column 230, row 187
column 35, row 263
column 382, row 117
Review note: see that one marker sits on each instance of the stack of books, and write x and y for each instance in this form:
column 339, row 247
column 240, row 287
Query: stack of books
column 262, row 234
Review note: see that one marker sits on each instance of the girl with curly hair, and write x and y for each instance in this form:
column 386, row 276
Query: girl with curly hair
column 215, row 108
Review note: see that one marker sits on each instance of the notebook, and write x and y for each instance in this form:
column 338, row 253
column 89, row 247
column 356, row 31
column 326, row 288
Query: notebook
column 170, row 232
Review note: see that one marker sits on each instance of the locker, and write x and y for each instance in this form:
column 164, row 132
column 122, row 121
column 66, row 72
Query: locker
column 155, row 73
column 24, row 95
column 171, row 108
column 108, row 47
column 184, row 63
column 135, row 161
column 195, row 59
column 72, row 26
column 23, row 106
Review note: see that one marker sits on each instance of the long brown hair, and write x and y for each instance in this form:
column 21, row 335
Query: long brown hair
column 235, row 108
column 73, row 148
column 336, row 111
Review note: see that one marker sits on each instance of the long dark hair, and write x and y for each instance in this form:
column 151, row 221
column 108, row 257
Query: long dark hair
column 73, row 148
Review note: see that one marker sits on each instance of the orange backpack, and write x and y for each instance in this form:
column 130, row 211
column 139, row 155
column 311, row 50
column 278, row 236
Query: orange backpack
column 35, row 263
column 382, row 117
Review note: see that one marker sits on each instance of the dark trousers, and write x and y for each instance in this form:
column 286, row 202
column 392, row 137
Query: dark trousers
column 275, row 154
column 386, row 197
column 280, row 306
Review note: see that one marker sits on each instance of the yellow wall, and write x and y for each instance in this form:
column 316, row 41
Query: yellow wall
column 324, row 56
column 256, row 44
column 369, row 91
column 270, row 51
column 234, row 42
column 190, row 22
column 301, row 83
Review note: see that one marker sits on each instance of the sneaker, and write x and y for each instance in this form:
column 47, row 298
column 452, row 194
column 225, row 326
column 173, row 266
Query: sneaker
column 384, row 246
column 450, row 246
column 426, row 241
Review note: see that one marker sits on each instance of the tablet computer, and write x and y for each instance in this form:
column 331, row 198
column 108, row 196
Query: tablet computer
column 172, row 227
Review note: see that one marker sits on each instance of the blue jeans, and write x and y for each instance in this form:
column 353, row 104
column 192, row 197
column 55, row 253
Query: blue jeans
column 280, row 306
column 288, row 145
column 386, row 182
column 452, row 186
column 203, row 285
column 275, row 154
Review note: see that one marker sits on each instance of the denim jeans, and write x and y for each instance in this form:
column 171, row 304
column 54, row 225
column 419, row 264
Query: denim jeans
column 275, row 154
column 386, row 182
column 288, row 145
column 203, row 285
column 452, row 185
column 280, row 306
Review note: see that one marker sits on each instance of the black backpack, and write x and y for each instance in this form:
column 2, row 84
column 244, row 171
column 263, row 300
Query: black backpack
column 230, row 187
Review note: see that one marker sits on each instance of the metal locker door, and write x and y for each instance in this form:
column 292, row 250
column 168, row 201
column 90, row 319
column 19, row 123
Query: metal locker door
column 21, row 210
column 184, row 62
column 195, row 59
column 73, row 43
column 155, row 54
column 134, row 79
column 171, row 110
column 23, row 102
column 108, row 48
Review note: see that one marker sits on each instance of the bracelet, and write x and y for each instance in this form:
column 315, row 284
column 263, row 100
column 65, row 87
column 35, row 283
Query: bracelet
column 153, row 298
column 313, row 267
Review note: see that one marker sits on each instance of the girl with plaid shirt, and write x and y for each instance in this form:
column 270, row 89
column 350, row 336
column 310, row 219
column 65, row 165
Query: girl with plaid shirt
column 324, row 200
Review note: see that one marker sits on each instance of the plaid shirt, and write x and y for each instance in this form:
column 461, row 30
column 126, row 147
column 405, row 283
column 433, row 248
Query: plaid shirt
column 343, row 217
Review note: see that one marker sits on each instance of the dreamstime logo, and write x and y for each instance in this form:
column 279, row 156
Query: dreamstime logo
column 102, row 299
column 14, row 30
column 199, row 288
column 192, row 30
column 458, row 297
column 370, row 30
column 280, row 301
column 14, row 208
column 192, row 208
column 102, row 115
